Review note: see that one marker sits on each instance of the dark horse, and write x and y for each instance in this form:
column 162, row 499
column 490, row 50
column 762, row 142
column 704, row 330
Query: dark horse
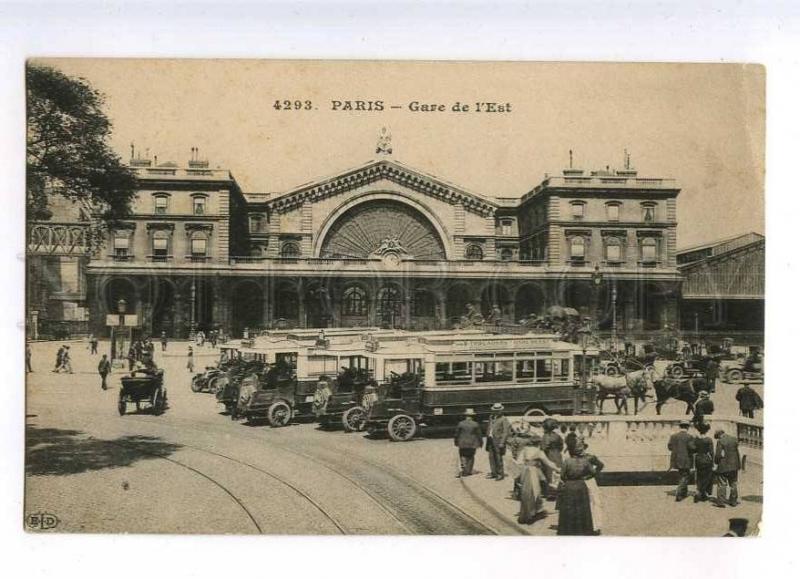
column 682, row 390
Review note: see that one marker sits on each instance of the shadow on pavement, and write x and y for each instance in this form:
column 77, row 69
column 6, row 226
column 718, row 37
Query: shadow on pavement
column 57, row 452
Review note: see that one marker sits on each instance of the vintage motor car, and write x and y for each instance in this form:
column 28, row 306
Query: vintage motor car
column 276, row 395
column 227, row 387
column 346, row 405
column 143, row 387
column 750, row 369
column 529, row 375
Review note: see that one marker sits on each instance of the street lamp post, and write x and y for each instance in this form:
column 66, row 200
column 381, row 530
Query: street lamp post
column 597, row 279
column 614, row 315
column 584, row 332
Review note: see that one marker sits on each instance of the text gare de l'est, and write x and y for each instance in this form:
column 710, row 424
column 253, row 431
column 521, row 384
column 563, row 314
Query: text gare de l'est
column 422, row 107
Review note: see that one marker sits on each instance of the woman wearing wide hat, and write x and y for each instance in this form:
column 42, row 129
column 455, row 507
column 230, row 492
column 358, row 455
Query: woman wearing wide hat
column 527, row 467
column 578, row 502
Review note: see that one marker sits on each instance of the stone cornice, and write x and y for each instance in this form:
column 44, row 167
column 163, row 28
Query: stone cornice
column 160, row 225
column 374, row 172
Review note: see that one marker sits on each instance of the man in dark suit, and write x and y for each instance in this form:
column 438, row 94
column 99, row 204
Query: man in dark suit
column 728, row 462
column 497, row 434
column 681, row 458
column 749, row 401
column 468, row 439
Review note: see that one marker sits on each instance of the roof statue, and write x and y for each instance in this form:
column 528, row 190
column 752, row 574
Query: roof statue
column 384, row 146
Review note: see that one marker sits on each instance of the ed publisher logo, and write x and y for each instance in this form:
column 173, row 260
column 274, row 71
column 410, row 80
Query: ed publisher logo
column 41, row 521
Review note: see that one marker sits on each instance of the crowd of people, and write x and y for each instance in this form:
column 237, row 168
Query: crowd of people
column 711, row 464
column 546, row 467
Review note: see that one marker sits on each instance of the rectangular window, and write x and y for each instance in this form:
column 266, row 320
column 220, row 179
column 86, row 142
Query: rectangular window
column 544, row 370
column 648, row 213
column 613, row 252
column 454, row 373
column 525, row 371
column 199, row 204
column 198, row 246
column 161, row 204
column 256, row 222
column 505, row 227
column 612, row 212
column 577, row 210
column 121, row 245
column 160, row 247
column 649, row 253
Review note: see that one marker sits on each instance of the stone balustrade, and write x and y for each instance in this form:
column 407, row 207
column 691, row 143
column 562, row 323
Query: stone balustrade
column 640, row 442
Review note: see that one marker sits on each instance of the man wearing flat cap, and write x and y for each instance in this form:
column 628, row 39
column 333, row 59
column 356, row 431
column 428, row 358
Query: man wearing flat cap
column 468, row 439
column 497, row 434
column 681, row 458
column 704, row 407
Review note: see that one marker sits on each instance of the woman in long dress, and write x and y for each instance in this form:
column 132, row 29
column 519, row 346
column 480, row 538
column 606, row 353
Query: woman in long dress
column 527, row 468
column 575, row 501
column 553, row 447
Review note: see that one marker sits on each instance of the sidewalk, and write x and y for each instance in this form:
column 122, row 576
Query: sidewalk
column 646, row 510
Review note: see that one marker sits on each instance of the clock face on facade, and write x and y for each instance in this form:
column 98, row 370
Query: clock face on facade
column 383, row 229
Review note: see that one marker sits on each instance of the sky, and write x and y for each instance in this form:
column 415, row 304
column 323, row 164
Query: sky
column 701, row 124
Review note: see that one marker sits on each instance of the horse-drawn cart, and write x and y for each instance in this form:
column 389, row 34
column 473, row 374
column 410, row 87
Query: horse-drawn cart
column 143, row 387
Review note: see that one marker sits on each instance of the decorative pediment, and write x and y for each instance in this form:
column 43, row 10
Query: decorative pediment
column 621, row 233
column 198, row 227
column 375, row 171
column 648, row 233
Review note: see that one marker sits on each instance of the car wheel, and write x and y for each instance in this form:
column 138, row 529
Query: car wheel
column 197, row 385
column 279, row 414
column 675, row 372
column 401, row 428
column 122, row 406
column 735, row 376
column 535, row 412
column 354, row 418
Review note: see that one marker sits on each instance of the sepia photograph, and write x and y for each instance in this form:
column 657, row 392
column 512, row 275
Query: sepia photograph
column 307, row 297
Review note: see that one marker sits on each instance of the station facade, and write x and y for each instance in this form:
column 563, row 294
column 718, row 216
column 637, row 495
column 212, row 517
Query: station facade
column 385, row 245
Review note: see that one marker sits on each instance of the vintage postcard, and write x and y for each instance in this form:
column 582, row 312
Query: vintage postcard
column 394, row 298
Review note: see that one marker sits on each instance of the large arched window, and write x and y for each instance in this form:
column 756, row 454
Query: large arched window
column 354, row 302
column 389, row 306
column 577, row 248
column 290, row 250
column 474, row 252
column 613, row 250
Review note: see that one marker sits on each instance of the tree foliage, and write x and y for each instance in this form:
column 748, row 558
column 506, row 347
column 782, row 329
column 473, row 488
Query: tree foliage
column 68, row 152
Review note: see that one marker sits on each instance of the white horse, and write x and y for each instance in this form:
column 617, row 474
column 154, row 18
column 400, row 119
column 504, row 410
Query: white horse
column 634, row 384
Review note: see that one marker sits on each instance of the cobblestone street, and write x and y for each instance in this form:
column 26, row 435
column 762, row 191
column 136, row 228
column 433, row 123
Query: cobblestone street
column 193, row 470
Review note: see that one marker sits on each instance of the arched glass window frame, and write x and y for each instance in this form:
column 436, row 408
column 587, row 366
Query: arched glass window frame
column 355, row 301
column 290, row 250
column 473, row 252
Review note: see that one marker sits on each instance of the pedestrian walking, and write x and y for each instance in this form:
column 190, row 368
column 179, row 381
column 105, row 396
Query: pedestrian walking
column 681, row 458
column 131, row 357
column 468, row 439
column 190, row 360
column 528, row 470
column 728, row 462
column 703, row 449
column 163, row 341
column 704, row 407
column 104, row 368
column 497, row 434
column 575, row 513
column 28, row 355
column 66, row 361
column 213, row 338
column 59, row 359
column 92, row 344
column 712, row 373
column 749, row 401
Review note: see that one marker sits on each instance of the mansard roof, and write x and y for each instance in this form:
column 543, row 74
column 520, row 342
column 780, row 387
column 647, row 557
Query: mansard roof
column 383, row 169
